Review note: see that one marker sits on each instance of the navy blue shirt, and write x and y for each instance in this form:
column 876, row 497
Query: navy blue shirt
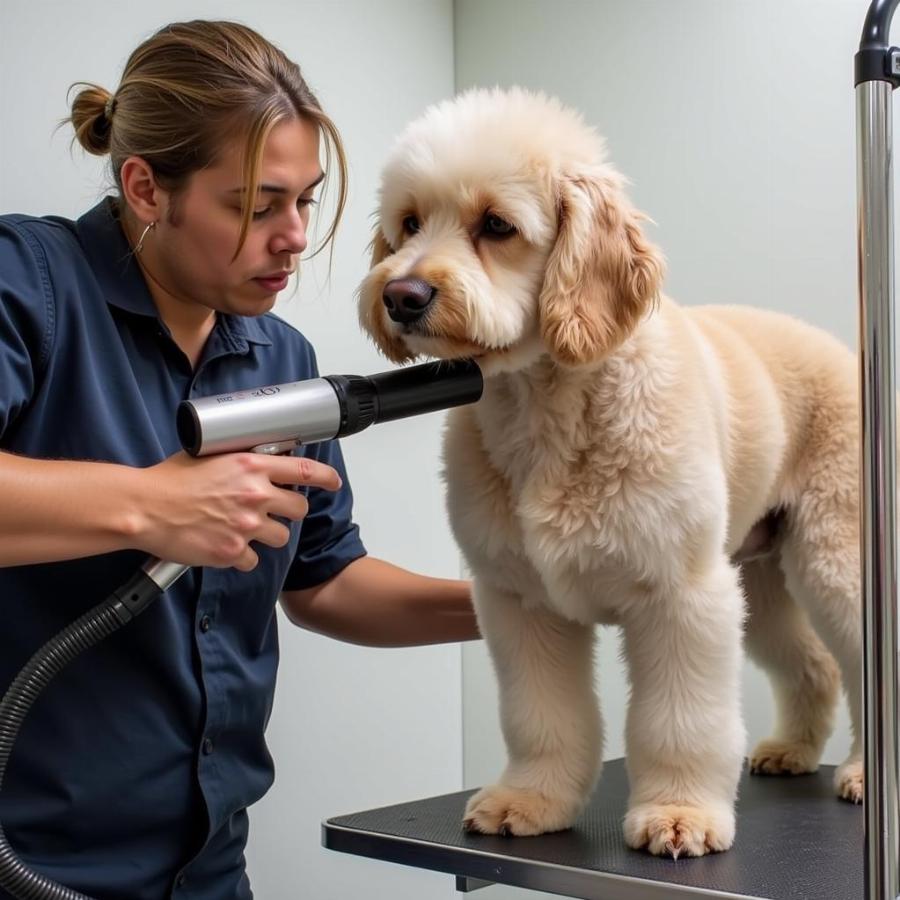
column 133, row 771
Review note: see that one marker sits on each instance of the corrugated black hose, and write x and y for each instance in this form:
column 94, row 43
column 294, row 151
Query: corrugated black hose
column 91, row 628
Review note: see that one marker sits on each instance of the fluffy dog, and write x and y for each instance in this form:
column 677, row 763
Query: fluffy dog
column 687, row 474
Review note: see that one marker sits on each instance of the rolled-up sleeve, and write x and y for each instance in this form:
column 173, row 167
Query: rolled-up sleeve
column 26, row 321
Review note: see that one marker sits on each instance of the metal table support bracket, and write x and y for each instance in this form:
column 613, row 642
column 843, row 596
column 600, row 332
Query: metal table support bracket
column 464, row 885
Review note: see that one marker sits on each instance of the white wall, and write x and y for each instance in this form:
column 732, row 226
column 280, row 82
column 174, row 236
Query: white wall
column 734, row 119
column 352, row 728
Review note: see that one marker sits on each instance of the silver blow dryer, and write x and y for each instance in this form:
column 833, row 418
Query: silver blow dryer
column 276, row 418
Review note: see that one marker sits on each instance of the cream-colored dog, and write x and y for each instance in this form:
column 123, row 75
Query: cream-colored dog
column 687, row 474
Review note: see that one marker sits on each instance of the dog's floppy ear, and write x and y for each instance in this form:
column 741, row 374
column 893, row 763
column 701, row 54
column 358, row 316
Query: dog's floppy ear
column 602, row 274
column 379, row 247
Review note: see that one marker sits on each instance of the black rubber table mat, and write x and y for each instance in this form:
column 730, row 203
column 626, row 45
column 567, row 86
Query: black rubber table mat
column 795, row 839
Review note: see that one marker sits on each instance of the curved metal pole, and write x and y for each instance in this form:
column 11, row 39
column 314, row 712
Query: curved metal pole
column 877, row 27
column 876, row 77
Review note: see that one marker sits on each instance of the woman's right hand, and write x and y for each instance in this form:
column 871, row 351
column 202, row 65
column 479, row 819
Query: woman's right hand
column 207, row 511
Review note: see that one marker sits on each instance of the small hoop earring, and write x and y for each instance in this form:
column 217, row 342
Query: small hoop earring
column 140, row 243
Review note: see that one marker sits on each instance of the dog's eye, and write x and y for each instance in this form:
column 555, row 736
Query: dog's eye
column 494, row 226
column 410, row 224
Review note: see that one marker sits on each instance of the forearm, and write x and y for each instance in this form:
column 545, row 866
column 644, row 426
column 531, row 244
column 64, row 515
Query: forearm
column 375, row 603
column 58, row 509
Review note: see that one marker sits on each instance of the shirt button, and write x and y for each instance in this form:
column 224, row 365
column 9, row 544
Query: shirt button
column 205, row 624
column 180, row 880
column 207, row 746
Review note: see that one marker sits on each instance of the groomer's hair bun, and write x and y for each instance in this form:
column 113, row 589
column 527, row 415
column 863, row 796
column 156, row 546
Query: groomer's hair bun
column 92, row 114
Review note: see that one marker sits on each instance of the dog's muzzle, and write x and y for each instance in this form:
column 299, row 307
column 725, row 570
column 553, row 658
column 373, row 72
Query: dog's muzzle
column 407, row 299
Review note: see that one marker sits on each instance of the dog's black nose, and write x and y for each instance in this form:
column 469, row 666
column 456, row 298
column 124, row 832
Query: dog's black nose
column 407, row 299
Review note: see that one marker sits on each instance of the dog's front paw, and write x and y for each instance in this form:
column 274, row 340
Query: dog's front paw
column 774, row 757
column 848, row 781
column 668, row 830
column 506, row 810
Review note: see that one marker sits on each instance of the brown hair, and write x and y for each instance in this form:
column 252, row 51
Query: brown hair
column 184, row 90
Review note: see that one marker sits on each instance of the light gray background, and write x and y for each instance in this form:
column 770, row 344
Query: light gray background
column 734, row 120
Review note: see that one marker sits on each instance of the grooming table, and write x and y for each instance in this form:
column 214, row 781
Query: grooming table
column 795, row 839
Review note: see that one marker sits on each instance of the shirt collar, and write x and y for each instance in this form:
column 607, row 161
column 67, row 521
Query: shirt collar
column 123, row 285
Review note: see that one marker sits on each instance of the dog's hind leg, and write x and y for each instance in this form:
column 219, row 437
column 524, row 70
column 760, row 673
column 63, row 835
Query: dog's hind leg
column 820, row 558
column 804, row 676
column 549, row 714
column 684, row 731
